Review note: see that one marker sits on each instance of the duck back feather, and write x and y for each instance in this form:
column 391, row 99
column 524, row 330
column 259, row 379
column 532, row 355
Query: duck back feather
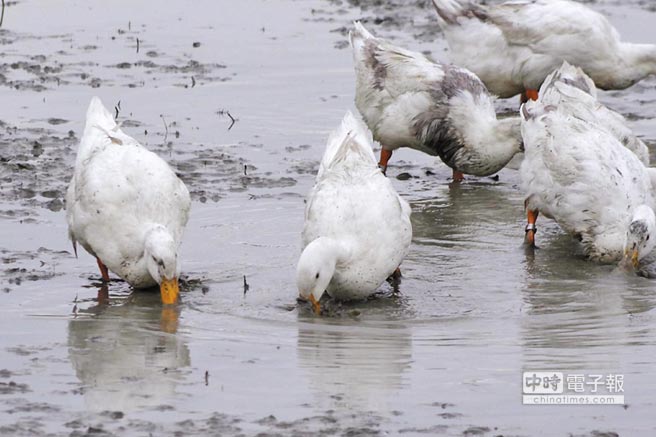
column 512, row 46
column 570, row 89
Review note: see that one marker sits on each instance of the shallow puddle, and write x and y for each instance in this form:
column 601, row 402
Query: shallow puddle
column 239, row 97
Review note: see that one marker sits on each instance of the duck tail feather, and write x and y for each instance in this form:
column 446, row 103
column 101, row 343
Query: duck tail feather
column 99, row 116
column 351, row 137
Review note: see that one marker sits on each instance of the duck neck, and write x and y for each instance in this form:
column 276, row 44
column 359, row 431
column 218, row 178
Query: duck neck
column 506, row 137
column 639, row 61
column 328, row 250
column 495, row 140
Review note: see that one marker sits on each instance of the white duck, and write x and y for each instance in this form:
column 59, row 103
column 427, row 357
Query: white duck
column 513, row 46
column 409, row 101
column 357, row 228
column 126, row 206
column 572, row 91
column 577, row 173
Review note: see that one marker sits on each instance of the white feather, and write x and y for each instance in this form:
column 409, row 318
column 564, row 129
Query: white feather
column 119, row 194
column 513, row 46
column 409, row 101
column 354, row 221
column 573, row 92
column 580, row 175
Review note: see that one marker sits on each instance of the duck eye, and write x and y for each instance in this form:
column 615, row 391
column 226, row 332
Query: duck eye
column 317, row 276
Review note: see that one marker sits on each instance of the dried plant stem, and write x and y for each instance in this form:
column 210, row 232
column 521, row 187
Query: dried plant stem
column 166, row 129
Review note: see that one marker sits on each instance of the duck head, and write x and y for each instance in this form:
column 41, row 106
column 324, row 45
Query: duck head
column 638, row 236
column 315, row 270
column 161, row 257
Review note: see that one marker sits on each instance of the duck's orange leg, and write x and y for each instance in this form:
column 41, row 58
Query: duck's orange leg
column 385, row 156
column 103, row 270
column 528, row 95
column 531, row 229
column 458, row 176
column 532, row 94
column 103, row 295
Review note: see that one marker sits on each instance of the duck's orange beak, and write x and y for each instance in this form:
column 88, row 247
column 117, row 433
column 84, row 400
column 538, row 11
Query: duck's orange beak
column 634, row 259
column 170, row 290
column 631, row 259
column 316, row 305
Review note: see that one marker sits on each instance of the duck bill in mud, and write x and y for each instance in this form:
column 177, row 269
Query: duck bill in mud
column 316, row 306
column 630, row 261
column 170, row 290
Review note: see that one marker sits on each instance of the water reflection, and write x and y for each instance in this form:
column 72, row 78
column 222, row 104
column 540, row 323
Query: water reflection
column 128, row 355
column 581, row 316
column 352, row 365
column 466, row 256
column 469, row 215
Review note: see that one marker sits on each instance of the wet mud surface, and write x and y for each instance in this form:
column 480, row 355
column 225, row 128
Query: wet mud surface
column 239, row 98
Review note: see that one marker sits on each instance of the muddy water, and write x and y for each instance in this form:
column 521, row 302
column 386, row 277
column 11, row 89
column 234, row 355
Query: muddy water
column 442, row 354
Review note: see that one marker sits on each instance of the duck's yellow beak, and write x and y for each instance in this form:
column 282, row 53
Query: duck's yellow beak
column 633, row 256
column 316, row 305
column 634, row 259
column 170, row 290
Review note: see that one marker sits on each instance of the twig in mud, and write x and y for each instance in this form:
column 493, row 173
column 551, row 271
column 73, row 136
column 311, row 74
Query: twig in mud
column 137, row 45
column 245, row 168
column 232, row 119
column 193, row 81
column 246, row 286
column 2, row 14
column 166, row 128
column 117, row 108
column 207, row 378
